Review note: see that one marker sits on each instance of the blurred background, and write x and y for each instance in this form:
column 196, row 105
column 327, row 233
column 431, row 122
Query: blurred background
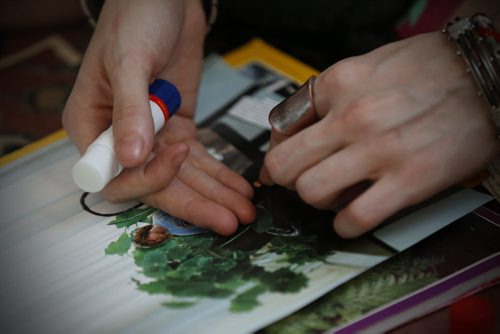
column 41, row 46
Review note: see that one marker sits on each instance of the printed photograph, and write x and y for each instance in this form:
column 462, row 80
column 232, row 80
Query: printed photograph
column 223, row 151
column 288, row 251
column 260, row 73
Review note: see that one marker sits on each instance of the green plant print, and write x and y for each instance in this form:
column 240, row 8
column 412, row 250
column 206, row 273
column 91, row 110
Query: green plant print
column 376, row 287
column 191, row 268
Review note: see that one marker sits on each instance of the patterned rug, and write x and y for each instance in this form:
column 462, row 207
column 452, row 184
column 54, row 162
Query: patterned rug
column 37, row 71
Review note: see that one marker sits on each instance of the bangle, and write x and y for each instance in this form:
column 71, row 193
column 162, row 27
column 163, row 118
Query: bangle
column 479, row 44
column 211, row 9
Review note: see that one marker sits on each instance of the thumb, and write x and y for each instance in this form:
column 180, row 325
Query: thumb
column 133, row 129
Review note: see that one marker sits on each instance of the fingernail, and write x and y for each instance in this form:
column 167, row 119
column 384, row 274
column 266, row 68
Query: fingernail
column 130, row 149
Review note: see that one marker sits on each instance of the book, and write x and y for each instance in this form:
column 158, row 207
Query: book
column 68, row 269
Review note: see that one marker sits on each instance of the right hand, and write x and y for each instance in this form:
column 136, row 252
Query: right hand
column 134, row 43
column 397, row 126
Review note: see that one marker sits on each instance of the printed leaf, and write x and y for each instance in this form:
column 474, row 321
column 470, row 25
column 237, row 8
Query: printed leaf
column 178, row 305
column 362, row 294
column 247, row 300
column 283, row 280
column 198, row 266
column 131, row 217
column 155, row 287
column 182, row 288
column 120, row 246
column 264, row 221
column 155, row 264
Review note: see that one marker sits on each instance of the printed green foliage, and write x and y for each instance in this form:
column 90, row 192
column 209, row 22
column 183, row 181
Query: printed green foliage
column 208, row 266
column 264, row 220
column 382, row 284
column 282, row 280
column 181, row 288
column 120, row 246
column 131, row 217
column 301, row 252
column 179, row 304
column 155, row 263
column 247, row 300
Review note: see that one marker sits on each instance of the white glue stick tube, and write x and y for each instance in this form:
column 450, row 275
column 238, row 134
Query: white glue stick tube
column 99, row 165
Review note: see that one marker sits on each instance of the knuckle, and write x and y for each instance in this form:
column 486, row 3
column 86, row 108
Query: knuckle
column 221, row 172
column 312, row 139
column 126, row 110
column 217, row 192
column 352, row 118
column 196, row 147
column 346, row 74
column 420, row 174
column 274, row 167
column 128, row 119
column 120, row 60
column 359, row 115
column 393, row 144
column 309, row 194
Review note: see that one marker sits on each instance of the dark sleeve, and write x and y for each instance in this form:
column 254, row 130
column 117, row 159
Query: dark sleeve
column 318, row 32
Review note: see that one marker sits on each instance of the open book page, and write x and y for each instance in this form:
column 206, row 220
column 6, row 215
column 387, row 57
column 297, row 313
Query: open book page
column 69, row 270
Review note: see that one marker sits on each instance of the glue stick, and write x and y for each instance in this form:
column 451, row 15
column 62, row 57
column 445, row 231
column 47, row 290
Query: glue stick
column 99, row 165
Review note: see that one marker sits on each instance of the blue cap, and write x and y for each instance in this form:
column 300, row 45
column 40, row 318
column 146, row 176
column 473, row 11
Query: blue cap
column 168, row 93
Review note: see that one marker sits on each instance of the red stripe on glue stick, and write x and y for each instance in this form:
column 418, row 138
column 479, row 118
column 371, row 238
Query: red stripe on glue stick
column 162, row 105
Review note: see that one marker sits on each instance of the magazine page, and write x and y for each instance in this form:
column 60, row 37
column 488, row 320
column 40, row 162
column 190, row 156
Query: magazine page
column 68, row 269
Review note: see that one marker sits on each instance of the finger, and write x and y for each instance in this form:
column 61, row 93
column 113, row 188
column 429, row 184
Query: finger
column 132, row 122
column 87, row 112
column 321, row 184
column 222, row 173
column 183, row 202
column 383, row 199
column 186, row 63
column 292, row 157
column 148, row 178
column 264, row 177
column 276, row 138
column 213, row 190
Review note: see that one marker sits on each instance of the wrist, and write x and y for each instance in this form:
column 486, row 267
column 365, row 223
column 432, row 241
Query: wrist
column 479, row 44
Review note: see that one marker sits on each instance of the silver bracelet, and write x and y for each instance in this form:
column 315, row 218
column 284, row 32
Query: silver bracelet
column 479, row 44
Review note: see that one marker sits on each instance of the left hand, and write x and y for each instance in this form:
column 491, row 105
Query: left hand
column 406, row 118
column 203, row 192
column 134, row 43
